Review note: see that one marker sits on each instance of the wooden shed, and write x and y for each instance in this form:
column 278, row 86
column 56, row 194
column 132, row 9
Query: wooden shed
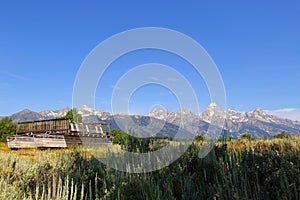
column 59, row 133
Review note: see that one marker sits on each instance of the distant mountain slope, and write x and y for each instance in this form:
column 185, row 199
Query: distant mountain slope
column 135, row 124
column 49, row 114
column 258, row 122
column 26, row 115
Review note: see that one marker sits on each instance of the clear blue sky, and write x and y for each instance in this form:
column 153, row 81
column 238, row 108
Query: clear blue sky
column 255, row 44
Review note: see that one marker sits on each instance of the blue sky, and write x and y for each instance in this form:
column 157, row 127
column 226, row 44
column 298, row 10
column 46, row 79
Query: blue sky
column 255, row 44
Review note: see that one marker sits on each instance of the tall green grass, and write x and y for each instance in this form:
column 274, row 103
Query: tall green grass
column 238, row 169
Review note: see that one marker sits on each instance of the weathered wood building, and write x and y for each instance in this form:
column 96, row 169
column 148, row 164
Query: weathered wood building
column 59, row 133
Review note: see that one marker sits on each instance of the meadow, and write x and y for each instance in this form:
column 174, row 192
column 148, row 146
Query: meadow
column 235, row 169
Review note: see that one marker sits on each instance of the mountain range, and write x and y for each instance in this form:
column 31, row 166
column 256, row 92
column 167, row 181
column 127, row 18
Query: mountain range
column 257, row 123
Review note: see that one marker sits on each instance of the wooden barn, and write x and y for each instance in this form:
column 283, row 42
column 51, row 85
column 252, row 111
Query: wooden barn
column 59, row 133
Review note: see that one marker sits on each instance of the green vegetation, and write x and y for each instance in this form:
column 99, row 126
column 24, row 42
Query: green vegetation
column 235, row 169
column 199, row 138
column 247, row 136
column 74, row 116
column 118, row 136
column 133, row 144
column 282, row 135
column 7, row 128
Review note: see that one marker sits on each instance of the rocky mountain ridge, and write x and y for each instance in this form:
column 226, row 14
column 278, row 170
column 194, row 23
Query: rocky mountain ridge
column 257, row 122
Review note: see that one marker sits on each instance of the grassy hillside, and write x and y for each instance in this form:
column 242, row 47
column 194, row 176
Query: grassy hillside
column 236, row 169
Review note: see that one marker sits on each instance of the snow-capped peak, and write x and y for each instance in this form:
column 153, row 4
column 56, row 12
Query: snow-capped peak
column 212, row 105
column 50, row 114
column 184, row 111
column 212, row 110
column 86, row 110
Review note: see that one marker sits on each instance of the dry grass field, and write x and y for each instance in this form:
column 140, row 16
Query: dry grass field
column 235, row 169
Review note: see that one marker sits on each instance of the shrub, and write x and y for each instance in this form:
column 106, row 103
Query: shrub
column 282, row 135
column 247, row 136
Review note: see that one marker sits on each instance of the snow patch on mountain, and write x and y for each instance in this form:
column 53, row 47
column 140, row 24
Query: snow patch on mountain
column 258, row 122
column 50, row 114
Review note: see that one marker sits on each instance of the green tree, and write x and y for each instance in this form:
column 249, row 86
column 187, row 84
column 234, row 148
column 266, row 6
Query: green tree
column 247, row 136
column 282, row 135
column 74, row 116
column 118, row 136
column 199, row 138
column 7, row 128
